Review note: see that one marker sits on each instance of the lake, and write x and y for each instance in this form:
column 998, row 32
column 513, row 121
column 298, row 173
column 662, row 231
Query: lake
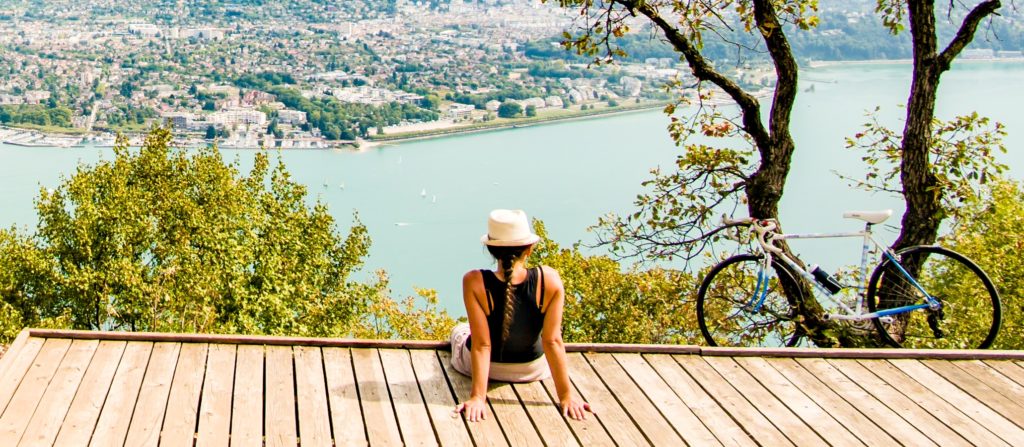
column 425, row 202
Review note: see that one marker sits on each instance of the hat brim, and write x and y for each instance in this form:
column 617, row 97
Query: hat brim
column 530, row 240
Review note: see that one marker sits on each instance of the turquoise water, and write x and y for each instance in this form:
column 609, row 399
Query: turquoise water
column 570, row 173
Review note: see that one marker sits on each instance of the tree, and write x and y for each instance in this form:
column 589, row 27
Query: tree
column 164, row 239
column 988, row 231
column 603, row 304
column 918, row 176
column 509, row 109
column 211, row 132
column 531, row 110
column 675, row 219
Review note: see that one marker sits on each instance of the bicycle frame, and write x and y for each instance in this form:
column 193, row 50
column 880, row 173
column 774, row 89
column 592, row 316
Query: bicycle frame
column 766, row 238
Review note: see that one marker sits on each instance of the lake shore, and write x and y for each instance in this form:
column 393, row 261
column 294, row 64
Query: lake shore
column 440, row 129
column 824, row 64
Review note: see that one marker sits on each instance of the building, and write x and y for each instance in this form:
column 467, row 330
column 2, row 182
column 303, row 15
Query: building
column 456, row 110
column 234, row 117
column 292, row 117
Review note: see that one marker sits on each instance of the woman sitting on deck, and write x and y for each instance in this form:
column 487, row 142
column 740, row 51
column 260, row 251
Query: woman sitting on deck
column 515, row 318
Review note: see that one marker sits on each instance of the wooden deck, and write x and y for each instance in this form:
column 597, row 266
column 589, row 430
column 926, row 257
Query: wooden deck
column 71, row 388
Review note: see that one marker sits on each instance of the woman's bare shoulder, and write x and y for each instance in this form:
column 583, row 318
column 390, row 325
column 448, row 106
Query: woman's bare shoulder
column 551, row 277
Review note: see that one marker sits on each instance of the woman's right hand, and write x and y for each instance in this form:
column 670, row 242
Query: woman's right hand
column 475, row 409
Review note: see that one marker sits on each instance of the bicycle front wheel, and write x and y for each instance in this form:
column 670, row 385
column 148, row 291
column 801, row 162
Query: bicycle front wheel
column 968, row 316
column 730, row 309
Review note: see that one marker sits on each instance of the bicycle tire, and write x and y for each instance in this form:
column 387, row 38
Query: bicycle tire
column 968, row 318
column 724, row 315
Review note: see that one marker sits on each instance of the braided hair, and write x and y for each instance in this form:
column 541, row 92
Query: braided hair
column 507, row 257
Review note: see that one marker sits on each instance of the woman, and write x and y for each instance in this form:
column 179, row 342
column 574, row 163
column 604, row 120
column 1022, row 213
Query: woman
column 515, row 320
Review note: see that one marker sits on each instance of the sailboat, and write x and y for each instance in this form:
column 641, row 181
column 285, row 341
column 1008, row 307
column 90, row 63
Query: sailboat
column 423, row 193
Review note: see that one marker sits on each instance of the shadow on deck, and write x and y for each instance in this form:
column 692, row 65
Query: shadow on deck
column 111, row 388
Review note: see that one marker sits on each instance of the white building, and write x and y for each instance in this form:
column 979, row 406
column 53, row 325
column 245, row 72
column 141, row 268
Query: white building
column 456, row 110
column 630, row 86
column 234, row 117
column 291, row 117
column 492, row 105
column 554, row 101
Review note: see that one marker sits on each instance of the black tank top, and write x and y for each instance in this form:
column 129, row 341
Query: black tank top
column 523, row 344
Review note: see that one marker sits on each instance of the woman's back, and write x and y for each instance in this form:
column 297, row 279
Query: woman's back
column 523, row 343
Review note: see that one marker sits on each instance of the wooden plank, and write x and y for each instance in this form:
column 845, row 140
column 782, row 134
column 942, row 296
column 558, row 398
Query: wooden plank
column 511, row 415
column 235, row 339
column 485, row 432
column 1006, row 388
column 734, row 403
column 864, row 353
column 215, row 406
column 615, row 419
column 787, row 422
column 889, row 421
column 544, row 413
column 373, row 391
column 589, row 431
column 860, row 425
column 19, row 362
column 969, row 396
column 890, row 395
column 343, row 396
column 928, row 398
column 438, row 398
column 643, row 412
column 280, row 427
column 147, row 420
column 182, row 412
column 25, row 400
column 247, row 404
column 311, row 397
column 1008, row 370
column 53, row 407
column 12, row 351
column 116, row 414
column 703, row 406
column 799, row 403
column 410, row 409
column 686, row 424
column 85, row 408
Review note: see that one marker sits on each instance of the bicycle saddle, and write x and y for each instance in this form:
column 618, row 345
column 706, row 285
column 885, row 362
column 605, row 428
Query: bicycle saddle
column 871, row 217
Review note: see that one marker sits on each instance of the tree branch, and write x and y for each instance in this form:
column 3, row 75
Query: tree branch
column 702, row 69
column 966, row 32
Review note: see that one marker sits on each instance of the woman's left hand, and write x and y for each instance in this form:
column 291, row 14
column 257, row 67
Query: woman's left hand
column 575, row 408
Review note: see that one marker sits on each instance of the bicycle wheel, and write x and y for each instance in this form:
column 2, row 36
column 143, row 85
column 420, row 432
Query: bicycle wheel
column 969, row 314
column 728, row 312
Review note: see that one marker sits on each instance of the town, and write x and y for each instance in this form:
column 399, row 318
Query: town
column 324, row 77
column 313, row 74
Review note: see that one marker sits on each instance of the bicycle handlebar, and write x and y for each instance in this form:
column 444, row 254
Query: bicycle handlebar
column 762, row 227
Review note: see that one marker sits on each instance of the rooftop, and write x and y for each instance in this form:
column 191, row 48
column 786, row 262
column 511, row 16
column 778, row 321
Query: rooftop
column 112, row 388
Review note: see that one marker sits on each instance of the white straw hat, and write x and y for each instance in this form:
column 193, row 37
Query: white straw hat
column 508, row 228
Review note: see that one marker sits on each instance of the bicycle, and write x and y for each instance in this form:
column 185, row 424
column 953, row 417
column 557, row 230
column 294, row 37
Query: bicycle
column 918, row 297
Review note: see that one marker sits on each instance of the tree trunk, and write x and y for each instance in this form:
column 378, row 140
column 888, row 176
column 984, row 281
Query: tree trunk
column 924, row 213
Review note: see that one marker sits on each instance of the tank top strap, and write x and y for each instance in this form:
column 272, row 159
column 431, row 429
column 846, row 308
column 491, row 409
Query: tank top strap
column 488, row 275
column 540, row 302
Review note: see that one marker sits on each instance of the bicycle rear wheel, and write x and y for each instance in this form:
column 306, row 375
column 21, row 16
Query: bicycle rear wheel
column 730, row 314
column 968, row 317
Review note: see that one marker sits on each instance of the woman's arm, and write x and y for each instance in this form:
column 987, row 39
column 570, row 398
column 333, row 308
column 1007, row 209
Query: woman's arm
column 480, row 352
column 554, row 348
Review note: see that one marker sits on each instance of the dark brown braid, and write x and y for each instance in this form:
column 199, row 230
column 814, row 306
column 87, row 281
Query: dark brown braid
column 507, row 257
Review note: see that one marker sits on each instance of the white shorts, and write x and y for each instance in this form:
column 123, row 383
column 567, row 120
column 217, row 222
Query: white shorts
column 462, row 361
